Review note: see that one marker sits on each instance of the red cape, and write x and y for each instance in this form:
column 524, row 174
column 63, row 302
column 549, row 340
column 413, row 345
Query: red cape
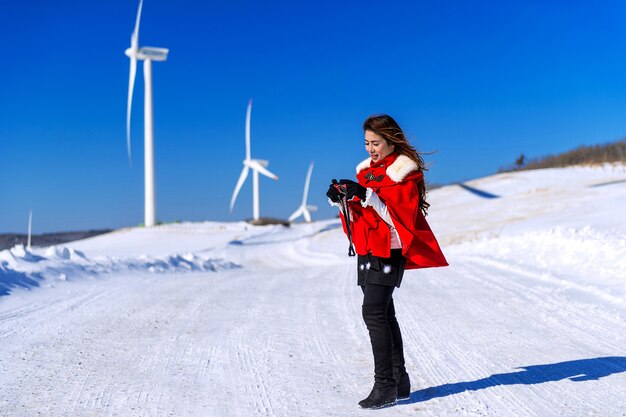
column 395, row 180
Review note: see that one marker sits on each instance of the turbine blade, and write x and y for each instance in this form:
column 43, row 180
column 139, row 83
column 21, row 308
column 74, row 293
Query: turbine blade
column 255, row 165
column 295, row 214
column 306, row 184
column 311, row 208
column 240, row 182
column 307, row 215
column 132, row 53
column 131, row 86
column 134, row 39
column 248, row 115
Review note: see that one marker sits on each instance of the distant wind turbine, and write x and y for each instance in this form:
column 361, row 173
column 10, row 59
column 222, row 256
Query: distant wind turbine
column 30, row 228
column 304, row 209
column 257, row 166
column 146, row 54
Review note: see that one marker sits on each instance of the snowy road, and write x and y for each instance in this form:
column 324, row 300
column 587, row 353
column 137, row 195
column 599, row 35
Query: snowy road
column 529, row 320
column 192, row 345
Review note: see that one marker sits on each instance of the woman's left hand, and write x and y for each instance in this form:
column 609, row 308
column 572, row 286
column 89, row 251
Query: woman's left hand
column 354, row 189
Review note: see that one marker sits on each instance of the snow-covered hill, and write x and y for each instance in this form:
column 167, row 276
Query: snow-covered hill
column 227, row 319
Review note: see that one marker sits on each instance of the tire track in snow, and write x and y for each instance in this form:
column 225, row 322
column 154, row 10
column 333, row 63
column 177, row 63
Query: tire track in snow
column 422, row 339
column 498, row 297
column 87, row 393
column 205, row 363
column 11, row 318
column 579, row 323
column 250, row 366
column 249, row 371
column 434, row 345
column 557, row 309
column 23, row 319
column 48, row 322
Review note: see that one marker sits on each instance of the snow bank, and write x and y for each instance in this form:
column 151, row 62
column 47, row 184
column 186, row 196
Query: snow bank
column 176, row 248
column 585, row 259
column 23, row 268
column 559, row 226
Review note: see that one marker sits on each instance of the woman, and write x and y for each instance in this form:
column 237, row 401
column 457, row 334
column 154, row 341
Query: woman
column 385, row 211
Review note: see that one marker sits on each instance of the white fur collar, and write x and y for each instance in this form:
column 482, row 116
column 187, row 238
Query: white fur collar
column 397, row 171
column 363, row 165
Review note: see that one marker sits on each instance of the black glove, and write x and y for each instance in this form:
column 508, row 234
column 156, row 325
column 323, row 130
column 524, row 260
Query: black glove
column 354, row 189
column 333, row 193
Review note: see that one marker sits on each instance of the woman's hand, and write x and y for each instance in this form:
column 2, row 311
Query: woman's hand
column 354, row 189
column 333, row 193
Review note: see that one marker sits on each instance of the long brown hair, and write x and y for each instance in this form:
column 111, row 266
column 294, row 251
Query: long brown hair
column 387, row 128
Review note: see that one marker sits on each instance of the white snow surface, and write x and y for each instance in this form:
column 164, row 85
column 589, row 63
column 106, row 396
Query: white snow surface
column 228, row 319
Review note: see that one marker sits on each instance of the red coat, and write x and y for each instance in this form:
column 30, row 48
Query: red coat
column 395, row 180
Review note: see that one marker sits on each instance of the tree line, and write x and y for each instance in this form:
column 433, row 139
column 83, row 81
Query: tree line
column 582, row 155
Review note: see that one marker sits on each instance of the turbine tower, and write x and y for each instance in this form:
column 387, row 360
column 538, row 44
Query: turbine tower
column 257, row 166
column 146, row 54
column 30, row 228
column 304, row 209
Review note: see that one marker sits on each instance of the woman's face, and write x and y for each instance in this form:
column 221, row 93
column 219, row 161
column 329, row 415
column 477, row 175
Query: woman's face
column 376, row 146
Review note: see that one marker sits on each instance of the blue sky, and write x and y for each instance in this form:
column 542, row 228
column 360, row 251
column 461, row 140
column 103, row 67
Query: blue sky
column 477, row 82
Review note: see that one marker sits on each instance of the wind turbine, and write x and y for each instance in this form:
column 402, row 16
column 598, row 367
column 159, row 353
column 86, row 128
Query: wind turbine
column 30, row 228
column 304, row 209
column 147, row 54
column 257, row 166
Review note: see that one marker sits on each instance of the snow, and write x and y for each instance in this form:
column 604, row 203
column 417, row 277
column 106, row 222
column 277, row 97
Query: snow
column 229, row 319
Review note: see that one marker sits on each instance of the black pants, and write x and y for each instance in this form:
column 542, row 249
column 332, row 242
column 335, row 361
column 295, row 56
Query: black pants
column 379, row 316
column 377, row 294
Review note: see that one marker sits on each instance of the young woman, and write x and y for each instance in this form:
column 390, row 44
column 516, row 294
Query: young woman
column 386, row 210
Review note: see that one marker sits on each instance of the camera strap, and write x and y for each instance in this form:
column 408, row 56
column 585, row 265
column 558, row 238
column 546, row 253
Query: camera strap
column 345, row 210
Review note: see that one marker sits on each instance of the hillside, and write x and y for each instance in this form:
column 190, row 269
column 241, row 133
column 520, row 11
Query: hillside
column 229, row 319
column 604, row 153
column 8, row 240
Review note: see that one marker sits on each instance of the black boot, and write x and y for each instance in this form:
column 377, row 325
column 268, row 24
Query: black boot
column 399, row 371
column 404, row 386
column 385, row 390
column 379, row 397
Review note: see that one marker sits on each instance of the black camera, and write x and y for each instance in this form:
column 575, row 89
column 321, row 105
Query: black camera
column 341, row 188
